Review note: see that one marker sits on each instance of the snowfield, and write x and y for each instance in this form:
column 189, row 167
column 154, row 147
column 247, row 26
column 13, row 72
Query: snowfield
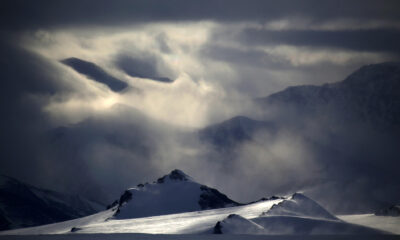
column 292, row 217
column 181, row 223
column 246, row 220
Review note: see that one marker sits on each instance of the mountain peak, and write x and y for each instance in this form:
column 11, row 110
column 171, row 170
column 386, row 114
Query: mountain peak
column 175, row 175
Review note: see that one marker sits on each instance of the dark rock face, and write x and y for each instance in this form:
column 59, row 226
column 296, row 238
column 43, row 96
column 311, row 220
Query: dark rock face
column 115, row 203
column 178, row 175
column 212, row 198
column 4, row 223
column 267, row 199
column 95, row 73
column 125, row 197
column 392, row 211
column 174, row 175
column 217, row 228
column 75, row 229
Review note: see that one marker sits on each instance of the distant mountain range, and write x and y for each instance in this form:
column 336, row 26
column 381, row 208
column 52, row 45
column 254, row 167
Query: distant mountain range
column 370, row 95
column 23, row 205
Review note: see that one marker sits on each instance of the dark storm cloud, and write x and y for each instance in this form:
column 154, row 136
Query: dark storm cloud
column 94, row 72
column 20, row 14
column 374, row 40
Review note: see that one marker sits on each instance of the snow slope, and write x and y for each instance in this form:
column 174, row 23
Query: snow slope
column 236, row 224
column 389, row 224
column 296, row 214
column 289, row 225
column 243, row 219
column 297, row 225
column 181, row 223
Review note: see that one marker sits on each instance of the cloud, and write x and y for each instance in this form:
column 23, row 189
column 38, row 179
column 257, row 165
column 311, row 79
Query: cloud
column 141, row 68
column 47, row 14
column 379, row 40
column 95, row 73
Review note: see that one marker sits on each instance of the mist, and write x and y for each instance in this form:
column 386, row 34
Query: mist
column 184, row 72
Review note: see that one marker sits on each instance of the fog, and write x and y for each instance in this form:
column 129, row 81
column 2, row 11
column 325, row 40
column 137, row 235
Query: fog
column 64, row 131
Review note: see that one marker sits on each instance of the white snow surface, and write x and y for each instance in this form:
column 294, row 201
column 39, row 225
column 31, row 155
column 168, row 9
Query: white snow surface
column 203, row 222
column 62, row 227
column 182, row 223
column 385, row 223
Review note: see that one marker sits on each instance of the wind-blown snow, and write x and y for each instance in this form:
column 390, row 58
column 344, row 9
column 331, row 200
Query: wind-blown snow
column 289, row 225
column 182, row 223
column 202, row 222
column 299, row 205
column 389, row 224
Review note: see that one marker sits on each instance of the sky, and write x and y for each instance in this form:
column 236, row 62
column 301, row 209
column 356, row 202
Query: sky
column 186, row 65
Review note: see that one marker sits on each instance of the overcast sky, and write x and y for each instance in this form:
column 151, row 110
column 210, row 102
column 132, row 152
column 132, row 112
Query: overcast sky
column 187, row 64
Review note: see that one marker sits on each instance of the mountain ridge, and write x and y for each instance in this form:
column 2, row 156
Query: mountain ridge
column 24, row 205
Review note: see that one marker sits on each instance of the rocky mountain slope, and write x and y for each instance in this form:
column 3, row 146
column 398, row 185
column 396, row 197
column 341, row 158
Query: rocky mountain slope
column 23, row 205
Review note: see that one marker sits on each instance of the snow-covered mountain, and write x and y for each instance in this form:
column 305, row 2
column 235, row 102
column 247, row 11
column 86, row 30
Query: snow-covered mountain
column 172, row 193
column 23, row 205
column 179, row 193
column 369, row 95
